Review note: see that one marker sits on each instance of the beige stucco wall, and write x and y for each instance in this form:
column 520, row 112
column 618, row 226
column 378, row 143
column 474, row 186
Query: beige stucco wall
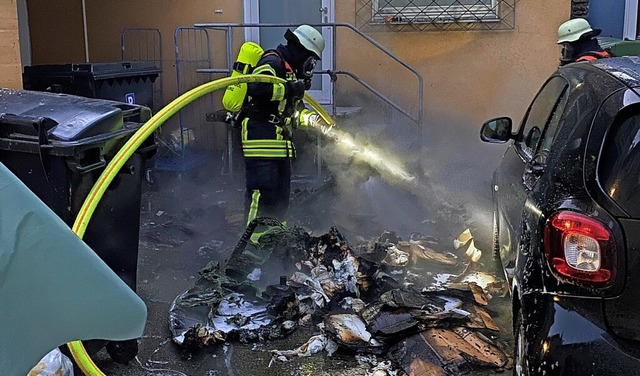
column 10, row 68
column 56, row 31
column 469, row 76
column 62, row 41
column 166, row 15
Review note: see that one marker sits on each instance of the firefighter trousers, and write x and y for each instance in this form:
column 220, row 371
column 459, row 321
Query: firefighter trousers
column 268, row 186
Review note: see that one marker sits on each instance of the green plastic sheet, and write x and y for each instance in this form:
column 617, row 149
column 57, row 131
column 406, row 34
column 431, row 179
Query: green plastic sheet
column 53, row 288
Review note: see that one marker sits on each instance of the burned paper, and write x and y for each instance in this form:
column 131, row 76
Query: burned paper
column 372, row 298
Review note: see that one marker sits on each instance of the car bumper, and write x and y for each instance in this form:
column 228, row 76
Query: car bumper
column 572, row 339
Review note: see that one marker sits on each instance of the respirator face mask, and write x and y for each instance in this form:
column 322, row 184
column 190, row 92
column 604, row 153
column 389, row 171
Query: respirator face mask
column 568, row 54
column 308, row 66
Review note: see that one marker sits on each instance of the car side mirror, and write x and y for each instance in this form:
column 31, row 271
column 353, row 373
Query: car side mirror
column 496, row 131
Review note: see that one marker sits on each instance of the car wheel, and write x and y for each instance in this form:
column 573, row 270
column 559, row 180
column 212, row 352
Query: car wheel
column 122, row 351
column 520, row 353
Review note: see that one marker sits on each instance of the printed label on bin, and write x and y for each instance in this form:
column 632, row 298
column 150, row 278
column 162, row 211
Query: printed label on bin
column 130, row 98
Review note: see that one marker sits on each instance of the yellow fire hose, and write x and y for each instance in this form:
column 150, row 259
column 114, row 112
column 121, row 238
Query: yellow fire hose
column 80, row 355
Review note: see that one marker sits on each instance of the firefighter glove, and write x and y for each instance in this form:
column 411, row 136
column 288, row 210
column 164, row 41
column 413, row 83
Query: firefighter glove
column 295, row 89
column 314, row 120
column 309, row 118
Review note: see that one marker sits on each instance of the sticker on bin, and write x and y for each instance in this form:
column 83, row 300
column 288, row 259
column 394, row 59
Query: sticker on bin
column 130, row 98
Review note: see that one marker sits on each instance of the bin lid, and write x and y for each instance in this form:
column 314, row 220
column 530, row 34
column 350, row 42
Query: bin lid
column 620, row 47
column 98, row 71
column 75, row 117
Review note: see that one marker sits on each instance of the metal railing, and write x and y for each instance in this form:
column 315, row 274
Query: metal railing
column 416, row 116
column 145, row 44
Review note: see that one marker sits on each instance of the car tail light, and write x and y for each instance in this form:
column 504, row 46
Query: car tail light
column 580, row 248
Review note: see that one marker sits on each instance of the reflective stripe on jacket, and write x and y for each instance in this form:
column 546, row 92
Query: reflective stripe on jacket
column 265, row 148
column 266, row 129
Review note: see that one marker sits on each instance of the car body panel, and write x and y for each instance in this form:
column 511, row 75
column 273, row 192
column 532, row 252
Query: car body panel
column 559, row 171
column 571, row 338
column 623, row 315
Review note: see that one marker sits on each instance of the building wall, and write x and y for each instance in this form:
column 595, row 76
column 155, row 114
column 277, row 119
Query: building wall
column 166, row 15
column 56, row 31
column 468, row 75
column 10, row 67
column 106, row 21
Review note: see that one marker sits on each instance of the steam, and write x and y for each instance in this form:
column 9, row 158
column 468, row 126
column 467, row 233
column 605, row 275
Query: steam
column 384, row 163
column 403, row 182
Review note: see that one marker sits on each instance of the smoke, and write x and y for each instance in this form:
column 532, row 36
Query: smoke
column 392, row 176
column 383, row 174
column 461, row 167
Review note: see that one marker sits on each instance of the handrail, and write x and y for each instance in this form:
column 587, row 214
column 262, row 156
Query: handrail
column 391, row 103
column 179, row 61
column 145, row 29
column 227, row 27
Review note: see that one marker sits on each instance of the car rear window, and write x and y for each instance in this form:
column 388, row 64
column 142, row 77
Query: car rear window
column 619, row 166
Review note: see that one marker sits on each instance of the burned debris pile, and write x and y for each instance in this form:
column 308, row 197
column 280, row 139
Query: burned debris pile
column 377, row 298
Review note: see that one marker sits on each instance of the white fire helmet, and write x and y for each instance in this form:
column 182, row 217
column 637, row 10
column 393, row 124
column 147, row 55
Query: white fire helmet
column 310, row 38
column 572, row 30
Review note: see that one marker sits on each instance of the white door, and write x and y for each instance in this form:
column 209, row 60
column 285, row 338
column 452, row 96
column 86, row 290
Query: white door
column 629, row 30
column 297, row 12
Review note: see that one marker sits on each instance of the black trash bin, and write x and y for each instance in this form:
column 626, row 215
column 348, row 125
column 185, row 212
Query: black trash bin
column 58, row 145
column 130, row 81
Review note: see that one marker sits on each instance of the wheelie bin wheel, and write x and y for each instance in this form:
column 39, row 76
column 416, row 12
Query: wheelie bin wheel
column 122, row 351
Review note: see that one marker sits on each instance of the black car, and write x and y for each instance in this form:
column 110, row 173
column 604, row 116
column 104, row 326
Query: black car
column 567, row 221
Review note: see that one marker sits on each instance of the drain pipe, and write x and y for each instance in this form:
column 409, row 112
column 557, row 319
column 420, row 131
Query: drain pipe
column 84, row 29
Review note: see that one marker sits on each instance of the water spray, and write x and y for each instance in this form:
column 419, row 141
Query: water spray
column 385, row 165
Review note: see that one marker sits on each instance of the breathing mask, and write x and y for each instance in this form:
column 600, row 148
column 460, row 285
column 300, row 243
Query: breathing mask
column 308, row 66
column 307, row 71
column 568, row 54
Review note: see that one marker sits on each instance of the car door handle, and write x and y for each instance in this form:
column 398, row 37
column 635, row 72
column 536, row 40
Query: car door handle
column 532, row 172
column 533, row 168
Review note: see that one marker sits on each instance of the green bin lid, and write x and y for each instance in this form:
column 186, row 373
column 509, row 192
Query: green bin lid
column 620, row 47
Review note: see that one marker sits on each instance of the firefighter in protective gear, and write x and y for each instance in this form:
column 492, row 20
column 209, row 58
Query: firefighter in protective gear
column 579, row 43
column 268, row 117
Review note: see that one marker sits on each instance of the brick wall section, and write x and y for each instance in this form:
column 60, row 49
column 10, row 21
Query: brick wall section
column 579, row 8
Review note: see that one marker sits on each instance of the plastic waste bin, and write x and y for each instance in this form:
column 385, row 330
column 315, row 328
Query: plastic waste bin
column 130, row 81
column 58, row 145
column 620, row 47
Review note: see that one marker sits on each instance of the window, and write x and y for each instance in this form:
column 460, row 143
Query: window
column 435, row 15
column 549, row 133
column 619, row 166
column 429, row 11
column 540, row 114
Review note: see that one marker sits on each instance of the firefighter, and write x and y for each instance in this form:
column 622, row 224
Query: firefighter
column 579, row 42
column 270, row 114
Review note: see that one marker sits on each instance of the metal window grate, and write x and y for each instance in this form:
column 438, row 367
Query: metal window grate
column 435, row 15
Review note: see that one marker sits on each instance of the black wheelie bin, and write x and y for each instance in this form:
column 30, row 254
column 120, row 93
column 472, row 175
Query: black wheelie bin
column 58, row 145
column 124, row 81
